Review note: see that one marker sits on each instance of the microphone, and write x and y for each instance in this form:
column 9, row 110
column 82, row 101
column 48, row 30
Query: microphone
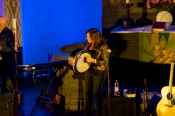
column 109, row 51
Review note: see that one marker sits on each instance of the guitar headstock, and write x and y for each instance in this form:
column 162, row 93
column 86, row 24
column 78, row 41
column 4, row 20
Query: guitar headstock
column 173, row 56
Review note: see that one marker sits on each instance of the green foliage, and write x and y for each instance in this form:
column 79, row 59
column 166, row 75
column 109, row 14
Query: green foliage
column 160, row 5
column 163, row 6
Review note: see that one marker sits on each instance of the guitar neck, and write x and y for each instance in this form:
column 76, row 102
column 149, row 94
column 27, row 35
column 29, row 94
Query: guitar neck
column 171, row 78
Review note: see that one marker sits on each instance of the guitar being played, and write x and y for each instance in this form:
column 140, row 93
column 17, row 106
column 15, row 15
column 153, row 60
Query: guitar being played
column 166, row 106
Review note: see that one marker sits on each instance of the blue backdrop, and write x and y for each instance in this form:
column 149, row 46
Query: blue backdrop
column 50, row 24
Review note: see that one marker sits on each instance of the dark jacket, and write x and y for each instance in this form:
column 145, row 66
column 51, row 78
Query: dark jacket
column 6, row 40
column 101, row 55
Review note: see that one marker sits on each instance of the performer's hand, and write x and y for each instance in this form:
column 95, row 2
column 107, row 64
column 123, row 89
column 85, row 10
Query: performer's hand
column 90, row 60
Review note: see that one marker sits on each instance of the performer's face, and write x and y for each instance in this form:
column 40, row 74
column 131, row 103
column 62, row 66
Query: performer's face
column 89, row 39
column 2, row 23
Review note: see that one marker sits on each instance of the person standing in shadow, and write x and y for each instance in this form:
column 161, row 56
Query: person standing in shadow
column 6, row 57
column 94, row 76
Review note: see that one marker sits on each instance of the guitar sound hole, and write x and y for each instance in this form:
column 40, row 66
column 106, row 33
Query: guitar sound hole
column 169, row 96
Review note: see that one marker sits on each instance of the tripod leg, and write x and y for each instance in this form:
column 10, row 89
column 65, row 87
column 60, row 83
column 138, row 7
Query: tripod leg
column 38, row 102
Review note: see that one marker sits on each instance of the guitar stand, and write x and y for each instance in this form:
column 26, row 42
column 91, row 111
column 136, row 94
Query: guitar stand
column 44, row 90
column 145, row 99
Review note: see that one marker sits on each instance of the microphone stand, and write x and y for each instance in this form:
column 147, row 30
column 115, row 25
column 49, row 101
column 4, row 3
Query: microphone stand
column 19, row 93
column 14, row 29
column 109, row 89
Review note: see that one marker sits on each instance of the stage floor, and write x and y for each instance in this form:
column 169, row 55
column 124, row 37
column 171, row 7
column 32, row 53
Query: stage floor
column 31, row 92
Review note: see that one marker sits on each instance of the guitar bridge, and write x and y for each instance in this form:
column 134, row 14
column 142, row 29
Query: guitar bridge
column 168, row 105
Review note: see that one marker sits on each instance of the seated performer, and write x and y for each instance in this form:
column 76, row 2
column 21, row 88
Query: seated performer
column 6, row 57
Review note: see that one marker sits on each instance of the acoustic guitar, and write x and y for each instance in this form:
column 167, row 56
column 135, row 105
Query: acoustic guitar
column 166, row 106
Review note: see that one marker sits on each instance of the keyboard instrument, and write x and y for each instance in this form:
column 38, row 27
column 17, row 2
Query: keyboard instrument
column 50, row 64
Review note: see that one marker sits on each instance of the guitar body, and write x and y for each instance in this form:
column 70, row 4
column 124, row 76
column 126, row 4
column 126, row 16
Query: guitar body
column 162, row 109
